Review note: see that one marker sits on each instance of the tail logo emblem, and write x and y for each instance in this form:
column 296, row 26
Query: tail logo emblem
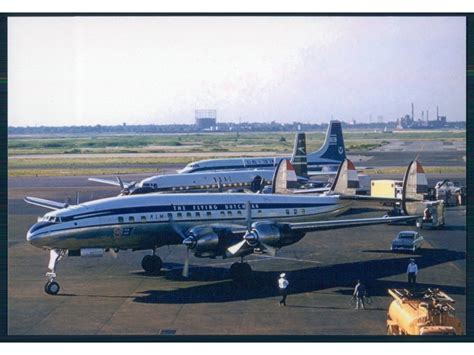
column 340, row 150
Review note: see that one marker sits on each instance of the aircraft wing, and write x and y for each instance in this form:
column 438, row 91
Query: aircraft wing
column 104, row 181
column 52, row 205
column 347, row 223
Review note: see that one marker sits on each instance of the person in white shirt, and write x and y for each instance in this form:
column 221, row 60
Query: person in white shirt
column 359, row 294
column 283, row 288
column 412, row 271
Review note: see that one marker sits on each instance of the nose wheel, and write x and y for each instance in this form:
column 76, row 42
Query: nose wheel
column 52, row 286
column 152, row 264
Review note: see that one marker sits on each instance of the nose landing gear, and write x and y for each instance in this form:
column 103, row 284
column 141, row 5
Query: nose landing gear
column 52, row 287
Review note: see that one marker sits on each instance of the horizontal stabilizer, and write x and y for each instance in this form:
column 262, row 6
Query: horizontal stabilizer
column 104, row 181
column 52, row 205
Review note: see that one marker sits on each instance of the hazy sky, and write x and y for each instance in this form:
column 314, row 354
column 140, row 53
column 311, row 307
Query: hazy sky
column 141, row 70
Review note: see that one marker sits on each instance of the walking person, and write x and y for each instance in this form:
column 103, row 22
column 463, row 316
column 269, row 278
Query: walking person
column 359, row 294
column 412, row 271
column 283, row 288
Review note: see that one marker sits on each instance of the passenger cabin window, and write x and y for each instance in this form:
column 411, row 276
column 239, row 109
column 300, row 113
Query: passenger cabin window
column 170, row 215
column 287, row 212
column 209, row 214
column 198, row 214
column 120, row 219
column 179, row 215
column 131, row 219
column 143, row 219
column 239, row 213
column 222, row 214
column 188, row 214
column 295, row 211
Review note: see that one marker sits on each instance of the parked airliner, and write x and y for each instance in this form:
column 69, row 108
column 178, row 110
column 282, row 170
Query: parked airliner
column 326, row 159
column 209, row 225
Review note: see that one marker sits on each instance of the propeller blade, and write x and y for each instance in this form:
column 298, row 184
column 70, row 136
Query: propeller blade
column 177, row 229
column 249, row 216
column 233, row 249
column 119, row 180
column 186, row 264
column 77, row 197
column 268, row 249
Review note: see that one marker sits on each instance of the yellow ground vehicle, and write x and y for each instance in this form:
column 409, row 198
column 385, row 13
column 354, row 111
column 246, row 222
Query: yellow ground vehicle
column 386, row 188
column 427, row 313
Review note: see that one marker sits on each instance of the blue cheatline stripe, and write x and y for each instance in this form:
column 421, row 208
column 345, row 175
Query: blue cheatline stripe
column 190, row 208
column 256, row 166
column 195, row 221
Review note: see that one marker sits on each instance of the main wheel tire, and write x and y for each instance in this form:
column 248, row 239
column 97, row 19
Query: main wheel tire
column 51, row 288
column 157, row 264
column 147, row 263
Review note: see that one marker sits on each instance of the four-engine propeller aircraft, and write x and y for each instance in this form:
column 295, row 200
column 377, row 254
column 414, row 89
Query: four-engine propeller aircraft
column 209, row 225
column 326, row 160
column 213, row 181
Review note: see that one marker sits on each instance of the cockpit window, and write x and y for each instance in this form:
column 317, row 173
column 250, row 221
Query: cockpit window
column 52, row 219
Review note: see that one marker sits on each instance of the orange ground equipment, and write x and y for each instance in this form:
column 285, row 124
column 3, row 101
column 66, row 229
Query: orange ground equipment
column 422, row 313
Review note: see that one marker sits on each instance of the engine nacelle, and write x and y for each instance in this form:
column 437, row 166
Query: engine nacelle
column 87, row 252
column 273, row 234
column 204, row 241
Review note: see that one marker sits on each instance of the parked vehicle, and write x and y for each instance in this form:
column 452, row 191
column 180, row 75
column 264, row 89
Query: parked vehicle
column 407, row 241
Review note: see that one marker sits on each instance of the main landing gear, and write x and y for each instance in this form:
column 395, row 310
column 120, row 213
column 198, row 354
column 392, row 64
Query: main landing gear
column 240, row 271
column 152, row 264
column 52, row 286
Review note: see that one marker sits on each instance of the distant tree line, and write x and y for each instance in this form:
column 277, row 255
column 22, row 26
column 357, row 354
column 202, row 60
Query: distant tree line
column 191, row 128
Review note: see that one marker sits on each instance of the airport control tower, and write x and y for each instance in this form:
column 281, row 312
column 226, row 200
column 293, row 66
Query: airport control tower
column 206, row 120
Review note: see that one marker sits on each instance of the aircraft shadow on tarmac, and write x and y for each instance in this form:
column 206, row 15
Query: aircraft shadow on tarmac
column 263, row 283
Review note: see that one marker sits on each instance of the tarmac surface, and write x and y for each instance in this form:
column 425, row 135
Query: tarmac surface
column 113, row 296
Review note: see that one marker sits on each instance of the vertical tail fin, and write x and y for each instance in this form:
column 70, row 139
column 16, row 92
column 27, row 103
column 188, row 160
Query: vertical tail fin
column 347, row 180
column 284, row 178
column 333, row 147
column 415, row 187
column 298, row 159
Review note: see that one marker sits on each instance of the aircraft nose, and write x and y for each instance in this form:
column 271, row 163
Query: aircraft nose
column 32, row 236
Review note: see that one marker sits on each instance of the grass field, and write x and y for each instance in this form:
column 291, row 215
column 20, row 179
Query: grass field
column 211, row 142
column 70, row 149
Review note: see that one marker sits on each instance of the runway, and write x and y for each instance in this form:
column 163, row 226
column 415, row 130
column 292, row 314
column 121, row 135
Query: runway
column 112, row 296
